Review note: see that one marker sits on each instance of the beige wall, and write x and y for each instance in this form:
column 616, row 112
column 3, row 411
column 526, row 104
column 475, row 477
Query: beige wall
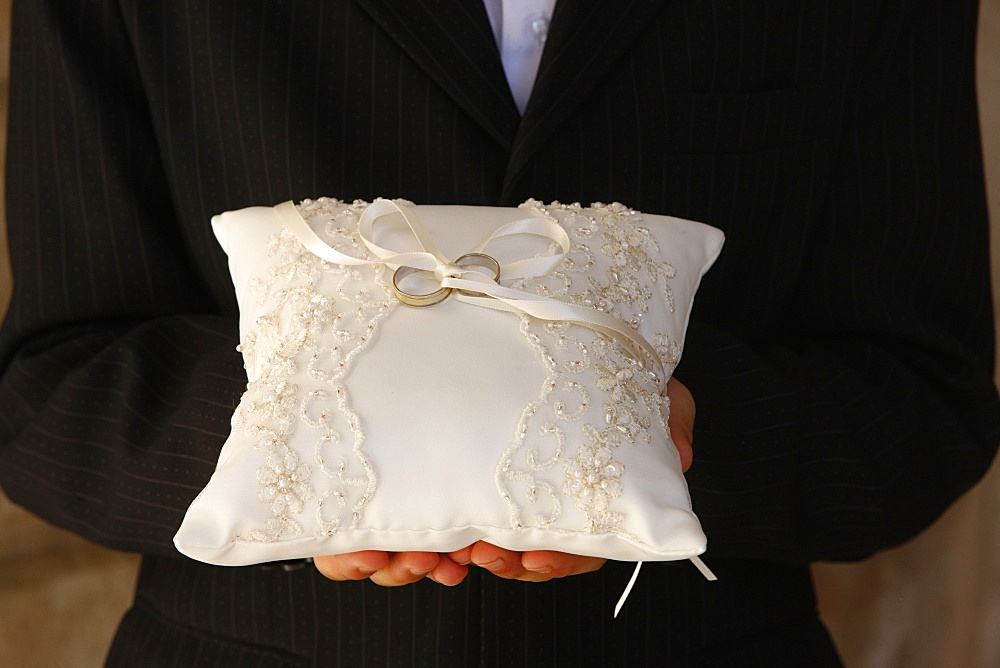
column 933, row 602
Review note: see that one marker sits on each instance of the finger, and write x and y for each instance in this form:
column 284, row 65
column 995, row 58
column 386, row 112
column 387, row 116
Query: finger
column 351, row 566
column 406, row 568
column 448, row 572
column 559, row 564
column 531, row 566
column 463, row 556
column 680, row 421
column 502, row 563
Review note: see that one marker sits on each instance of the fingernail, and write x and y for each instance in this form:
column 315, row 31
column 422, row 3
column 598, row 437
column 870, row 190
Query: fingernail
column 495, row 565
column 420, row 573
column 366, row 571
column 543, row 570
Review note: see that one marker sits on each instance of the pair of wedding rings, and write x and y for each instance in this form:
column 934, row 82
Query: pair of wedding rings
column 439, row 295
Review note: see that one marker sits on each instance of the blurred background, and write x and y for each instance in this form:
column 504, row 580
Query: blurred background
column 932, row 602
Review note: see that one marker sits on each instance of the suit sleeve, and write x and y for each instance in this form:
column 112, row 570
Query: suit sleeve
column 118, row 375
column 873, row 408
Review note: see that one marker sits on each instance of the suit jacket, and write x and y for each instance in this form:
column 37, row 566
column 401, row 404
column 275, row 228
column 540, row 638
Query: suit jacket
column 840, row 351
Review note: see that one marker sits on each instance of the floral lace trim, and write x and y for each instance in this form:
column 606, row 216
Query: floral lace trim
column 592, row 476
column 324, row 335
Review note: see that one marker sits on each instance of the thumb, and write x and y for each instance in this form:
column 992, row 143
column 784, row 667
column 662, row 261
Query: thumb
column 680, row 410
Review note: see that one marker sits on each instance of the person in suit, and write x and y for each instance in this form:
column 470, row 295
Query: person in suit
column 840, row 353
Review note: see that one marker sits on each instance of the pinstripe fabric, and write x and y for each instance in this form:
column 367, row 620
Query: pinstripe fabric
column 840, row 352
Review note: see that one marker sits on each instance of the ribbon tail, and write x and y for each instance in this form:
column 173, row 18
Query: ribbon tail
column 628, row 588
column 703, row 569
column 699, row 564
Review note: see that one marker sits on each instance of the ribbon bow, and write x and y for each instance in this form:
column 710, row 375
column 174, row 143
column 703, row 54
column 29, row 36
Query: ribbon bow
column 469, row 284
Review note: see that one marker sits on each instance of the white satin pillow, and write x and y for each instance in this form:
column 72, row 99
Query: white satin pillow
column 369, row 424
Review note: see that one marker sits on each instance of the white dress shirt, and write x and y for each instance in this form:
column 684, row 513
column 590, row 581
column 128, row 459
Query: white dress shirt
column 520, row 28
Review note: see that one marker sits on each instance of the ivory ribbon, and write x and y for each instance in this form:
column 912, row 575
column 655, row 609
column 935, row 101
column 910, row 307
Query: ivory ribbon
column 699, row 564
column 434, row 265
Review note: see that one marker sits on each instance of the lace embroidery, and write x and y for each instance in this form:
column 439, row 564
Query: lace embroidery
column 323, row 336
column 592, row 476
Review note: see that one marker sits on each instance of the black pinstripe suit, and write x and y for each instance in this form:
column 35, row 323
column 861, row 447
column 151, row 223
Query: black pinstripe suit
column 840, row 354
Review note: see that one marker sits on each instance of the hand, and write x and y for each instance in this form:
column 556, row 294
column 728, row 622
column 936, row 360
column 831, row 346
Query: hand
column 681, row 421
column 532, row 566
column 392, row 569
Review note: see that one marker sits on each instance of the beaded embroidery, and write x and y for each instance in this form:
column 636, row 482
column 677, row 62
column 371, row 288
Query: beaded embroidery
column 332, row 314
column 592, row 477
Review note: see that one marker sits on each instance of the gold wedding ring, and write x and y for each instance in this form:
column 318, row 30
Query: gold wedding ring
column 479, row 260
column 427, row 299
column 439, row 295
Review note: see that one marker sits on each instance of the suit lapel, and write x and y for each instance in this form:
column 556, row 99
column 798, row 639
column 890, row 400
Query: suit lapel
column 453, row 43
column 585, row 39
